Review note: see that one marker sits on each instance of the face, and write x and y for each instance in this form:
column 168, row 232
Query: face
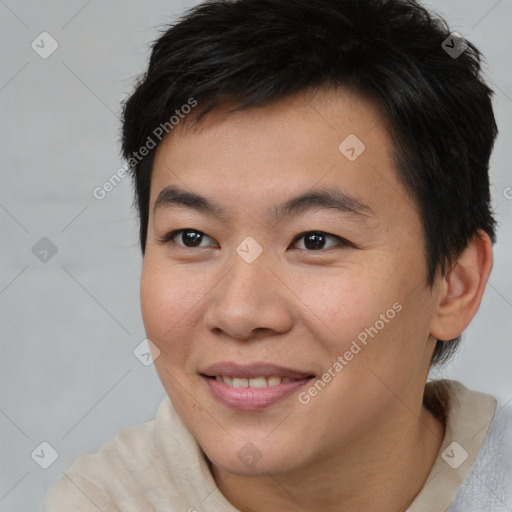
column 287, row 295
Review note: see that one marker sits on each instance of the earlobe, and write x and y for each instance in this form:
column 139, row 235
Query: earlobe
column 461, row 290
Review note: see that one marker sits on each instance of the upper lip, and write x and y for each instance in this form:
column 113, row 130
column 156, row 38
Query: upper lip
column 252, row 370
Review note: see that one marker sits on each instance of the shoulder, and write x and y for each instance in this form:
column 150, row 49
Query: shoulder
column 113, row 478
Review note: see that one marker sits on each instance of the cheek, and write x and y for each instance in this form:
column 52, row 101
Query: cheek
column 156, row 299
column 163, row 304
column 166, row 306
column 166, row 295
column 172, row 303
column 342, row 304
column 370, row 315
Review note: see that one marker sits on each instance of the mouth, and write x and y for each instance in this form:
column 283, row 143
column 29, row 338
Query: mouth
column 252, row 387
column 254, row 382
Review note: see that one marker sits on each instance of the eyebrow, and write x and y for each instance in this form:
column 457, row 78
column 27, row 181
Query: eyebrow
column 326, row 198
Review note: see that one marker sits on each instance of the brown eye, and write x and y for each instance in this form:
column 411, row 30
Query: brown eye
column 188, row 238
column 316, row 240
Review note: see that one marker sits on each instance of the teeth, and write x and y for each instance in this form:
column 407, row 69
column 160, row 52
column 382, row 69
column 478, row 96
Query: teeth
column 256, row 382
column 240, row 383
column 274, row 381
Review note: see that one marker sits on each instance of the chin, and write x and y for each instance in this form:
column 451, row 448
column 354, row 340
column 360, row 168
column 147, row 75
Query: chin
column 253, row 464
column 251, row 458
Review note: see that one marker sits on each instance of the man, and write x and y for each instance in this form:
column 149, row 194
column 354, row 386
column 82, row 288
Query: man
column 312, row 184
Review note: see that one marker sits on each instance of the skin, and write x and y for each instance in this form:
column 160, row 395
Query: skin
column 365, row 439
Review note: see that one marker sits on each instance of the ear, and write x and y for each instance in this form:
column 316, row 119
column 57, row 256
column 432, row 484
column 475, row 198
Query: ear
column 460, row 291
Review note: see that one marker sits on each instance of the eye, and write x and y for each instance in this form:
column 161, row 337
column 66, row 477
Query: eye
column 315, row 240
column 189, row 237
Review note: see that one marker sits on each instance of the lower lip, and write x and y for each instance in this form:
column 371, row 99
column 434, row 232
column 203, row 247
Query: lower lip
column 248, row 399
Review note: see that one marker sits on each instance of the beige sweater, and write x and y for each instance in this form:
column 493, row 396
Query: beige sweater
column 158, row 466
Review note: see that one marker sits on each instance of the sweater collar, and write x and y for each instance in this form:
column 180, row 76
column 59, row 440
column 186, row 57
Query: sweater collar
column 468, row 415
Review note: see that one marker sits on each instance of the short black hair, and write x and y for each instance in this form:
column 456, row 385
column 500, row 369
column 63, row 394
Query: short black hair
column 436, row 105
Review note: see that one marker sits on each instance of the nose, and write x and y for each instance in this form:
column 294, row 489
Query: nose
column 251, row 301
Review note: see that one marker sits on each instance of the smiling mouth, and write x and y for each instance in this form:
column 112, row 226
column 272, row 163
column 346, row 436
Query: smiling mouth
column 253, row 393
column 255, row 382
column 252, row 386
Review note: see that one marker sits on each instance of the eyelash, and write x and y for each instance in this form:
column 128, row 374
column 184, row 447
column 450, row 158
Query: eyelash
column 342, row 242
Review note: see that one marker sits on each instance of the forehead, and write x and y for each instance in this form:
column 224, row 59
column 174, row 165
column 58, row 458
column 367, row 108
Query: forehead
column 265, row 155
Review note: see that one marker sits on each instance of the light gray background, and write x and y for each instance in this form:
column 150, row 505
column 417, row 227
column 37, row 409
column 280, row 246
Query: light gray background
column 69, row 326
